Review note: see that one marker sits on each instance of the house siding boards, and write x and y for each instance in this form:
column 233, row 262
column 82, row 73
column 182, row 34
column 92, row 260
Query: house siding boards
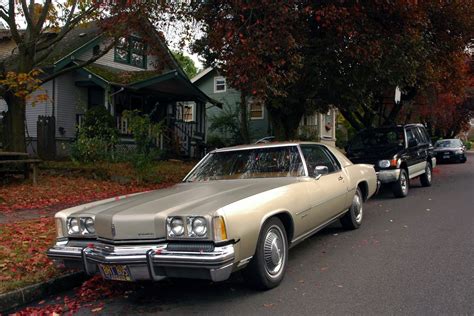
column 69, row 98
column 230, row 99
column 109, row 60
column 43, row 108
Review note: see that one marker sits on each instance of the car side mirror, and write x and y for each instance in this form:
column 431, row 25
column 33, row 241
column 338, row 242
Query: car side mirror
column 412, row 143
column 320, row 171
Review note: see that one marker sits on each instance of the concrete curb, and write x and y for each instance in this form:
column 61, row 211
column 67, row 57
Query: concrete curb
column 28, row 294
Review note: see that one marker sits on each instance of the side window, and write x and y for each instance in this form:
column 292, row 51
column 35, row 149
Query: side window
column 316, row 156
column 410, row 135
column 334, row 160
column 420, row 136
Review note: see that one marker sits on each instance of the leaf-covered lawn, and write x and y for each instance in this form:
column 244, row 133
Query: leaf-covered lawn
column 27, row 228
column 23, row 259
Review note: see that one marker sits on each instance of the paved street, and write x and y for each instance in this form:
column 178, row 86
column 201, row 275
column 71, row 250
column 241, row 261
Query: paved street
column 411, row 256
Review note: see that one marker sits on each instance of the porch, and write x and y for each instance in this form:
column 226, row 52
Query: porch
column 169, row 98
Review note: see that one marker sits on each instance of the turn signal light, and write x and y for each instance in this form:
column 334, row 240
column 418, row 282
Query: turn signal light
column 220, row 232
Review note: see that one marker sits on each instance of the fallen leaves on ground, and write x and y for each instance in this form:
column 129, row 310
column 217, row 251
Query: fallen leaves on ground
column 23, row 257
column 87, row 295
column 63, row 191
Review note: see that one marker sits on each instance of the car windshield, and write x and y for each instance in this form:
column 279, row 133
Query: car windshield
column 447, row 143
column 378, row 137
column 269, row 162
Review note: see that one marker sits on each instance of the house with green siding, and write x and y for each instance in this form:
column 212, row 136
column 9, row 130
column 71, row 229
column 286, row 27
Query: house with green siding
column 317, row 126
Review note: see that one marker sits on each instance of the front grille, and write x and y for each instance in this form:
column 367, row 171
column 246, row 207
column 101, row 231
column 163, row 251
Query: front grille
column 131, row 241
column 191, row 246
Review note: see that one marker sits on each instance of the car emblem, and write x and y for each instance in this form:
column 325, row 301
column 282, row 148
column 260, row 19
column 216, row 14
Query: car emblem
column 113, row 230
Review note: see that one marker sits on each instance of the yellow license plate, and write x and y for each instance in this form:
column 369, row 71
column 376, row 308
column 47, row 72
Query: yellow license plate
column 117, row 272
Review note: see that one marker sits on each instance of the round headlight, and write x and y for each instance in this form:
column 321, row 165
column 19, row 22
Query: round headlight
column 89, row 225
column 73, row 225
column 384, row 163
column 200, row 226
column 177, row 226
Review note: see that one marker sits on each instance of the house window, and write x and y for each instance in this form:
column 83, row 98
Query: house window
column 256, row 111
column 219, row 84
column 131, row 51
column 188, row 112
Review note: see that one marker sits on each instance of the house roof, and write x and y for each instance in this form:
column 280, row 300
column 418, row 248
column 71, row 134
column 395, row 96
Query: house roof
column 120, row 77
column 72, row 41
column 173, row 83
column 202, row 74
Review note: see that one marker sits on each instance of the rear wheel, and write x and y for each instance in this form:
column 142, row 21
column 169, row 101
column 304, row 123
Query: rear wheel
column 400, row 187
column 353, row 218
column 268, row 266
column 426, row 177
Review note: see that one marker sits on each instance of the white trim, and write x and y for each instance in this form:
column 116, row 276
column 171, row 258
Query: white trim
column 215, row 84
column 201, row 74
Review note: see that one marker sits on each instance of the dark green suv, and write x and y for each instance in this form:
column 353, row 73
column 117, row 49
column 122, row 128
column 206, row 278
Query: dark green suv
column 398, row 153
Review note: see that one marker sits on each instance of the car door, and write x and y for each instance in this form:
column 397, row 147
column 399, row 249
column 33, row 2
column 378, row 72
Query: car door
column 416, row 161
column 327, row 194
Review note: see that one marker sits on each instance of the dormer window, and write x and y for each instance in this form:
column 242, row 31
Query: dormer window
column 131, row 51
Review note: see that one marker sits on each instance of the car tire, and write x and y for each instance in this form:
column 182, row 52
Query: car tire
column 464, row 159
column 400, row 187
column 353, row 218
column 426, row 178
column 268, row 266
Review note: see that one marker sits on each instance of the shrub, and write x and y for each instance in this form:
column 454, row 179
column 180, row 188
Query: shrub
column 468, row 145
column 96, row 137
column 224, row 128
column 144, row 131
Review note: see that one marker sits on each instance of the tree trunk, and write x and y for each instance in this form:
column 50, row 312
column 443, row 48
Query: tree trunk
column 15, row 137
column 244, row 119
column 285, row 125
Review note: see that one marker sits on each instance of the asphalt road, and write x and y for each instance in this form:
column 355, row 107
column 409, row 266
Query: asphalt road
column 411, row 256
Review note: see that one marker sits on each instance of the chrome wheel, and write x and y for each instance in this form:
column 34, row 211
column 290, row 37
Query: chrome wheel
column 274, row 251
column 357, row 208
column 428, row 173
column 403, row 183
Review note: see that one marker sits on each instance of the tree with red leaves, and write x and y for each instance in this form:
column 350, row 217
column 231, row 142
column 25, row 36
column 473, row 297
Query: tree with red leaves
column 300, row 55
column 445, row 109
column 367, row 49
column 256, row 45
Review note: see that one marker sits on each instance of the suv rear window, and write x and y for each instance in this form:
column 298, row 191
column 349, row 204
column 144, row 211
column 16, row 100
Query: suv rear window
column 378, row 137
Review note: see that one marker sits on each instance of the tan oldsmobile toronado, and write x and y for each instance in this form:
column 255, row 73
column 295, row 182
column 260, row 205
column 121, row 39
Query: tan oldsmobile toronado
column 239, row 208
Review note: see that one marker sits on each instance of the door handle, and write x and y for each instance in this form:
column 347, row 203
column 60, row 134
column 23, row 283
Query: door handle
column 340, row 178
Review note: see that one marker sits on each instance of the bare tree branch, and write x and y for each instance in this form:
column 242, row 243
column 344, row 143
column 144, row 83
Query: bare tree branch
column 70, row 24
column 42, row 17
column 27, row 13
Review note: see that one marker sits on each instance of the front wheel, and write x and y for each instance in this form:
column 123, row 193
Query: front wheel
column 400, row 187
column 268, row 266
column 425, row 178
column 353, row 218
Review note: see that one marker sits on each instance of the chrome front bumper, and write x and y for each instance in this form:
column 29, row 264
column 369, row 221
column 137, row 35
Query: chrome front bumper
column 387, row 176
column 149, row 262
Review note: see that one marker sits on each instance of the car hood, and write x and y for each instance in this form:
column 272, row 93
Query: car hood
column 372, row 155
column 143, row 216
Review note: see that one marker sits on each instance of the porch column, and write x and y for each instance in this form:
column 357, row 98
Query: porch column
column 108, row 100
